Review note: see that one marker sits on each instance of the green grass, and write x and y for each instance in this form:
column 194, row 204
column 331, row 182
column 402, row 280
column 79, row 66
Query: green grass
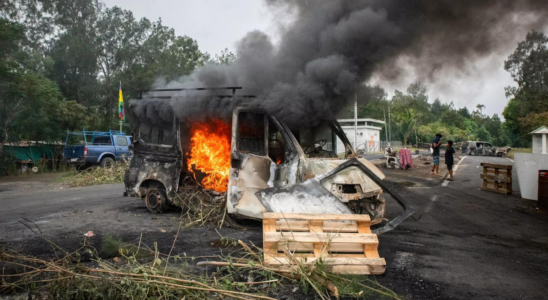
column 519, row 150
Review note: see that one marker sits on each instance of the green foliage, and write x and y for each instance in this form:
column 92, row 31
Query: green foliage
column 226, row 57
column 62, row 62
column 411, row 113
column 483, row 135
column 528, row 105
column 7, row 164
column 449, row 132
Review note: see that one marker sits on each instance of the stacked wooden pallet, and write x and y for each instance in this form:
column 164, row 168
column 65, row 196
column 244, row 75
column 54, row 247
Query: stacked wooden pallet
column 343, row 242
column 497, row 178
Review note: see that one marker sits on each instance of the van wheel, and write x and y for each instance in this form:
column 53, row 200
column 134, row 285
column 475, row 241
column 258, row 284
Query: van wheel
column 156, row 200
column 107, row 163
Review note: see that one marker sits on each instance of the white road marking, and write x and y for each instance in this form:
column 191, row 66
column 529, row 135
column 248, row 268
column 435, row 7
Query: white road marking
column 445, row 183
column 431, row 204
column 509, row 159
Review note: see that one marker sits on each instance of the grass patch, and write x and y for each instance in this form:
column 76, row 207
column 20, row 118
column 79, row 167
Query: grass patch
column 519, row 150
column 97, row 175
column 141, row 272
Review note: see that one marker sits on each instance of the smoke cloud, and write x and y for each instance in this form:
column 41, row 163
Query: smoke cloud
column 332, row 46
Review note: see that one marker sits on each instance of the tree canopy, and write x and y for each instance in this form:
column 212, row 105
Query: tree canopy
column 414, row 119
column 62, row 62
column 527, row 108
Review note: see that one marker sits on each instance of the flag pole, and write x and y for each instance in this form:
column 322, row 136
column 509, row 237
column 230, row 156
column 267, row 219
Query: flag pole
column 121, row 120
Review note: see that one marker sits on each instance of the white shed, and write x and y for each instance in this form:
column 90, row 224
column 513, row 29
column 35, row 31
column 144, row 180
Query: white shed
column 539, row 140
column 528, row 165
column 368, row 134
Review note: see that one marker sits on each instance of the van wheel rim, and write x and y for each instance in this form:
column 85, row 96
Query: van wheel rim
column 154, row 200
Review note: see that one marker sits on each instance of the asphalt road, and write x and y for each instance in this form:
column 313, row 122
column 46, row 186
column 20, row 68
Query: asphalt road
column 464, row 244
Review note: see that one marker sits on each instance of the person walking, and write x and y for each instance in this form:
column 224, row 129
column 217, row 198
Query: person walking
column 436, row 143
column 449, row 161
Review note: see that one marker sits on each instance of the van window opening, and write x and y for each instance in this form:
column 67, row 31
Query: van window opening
column 251, row 133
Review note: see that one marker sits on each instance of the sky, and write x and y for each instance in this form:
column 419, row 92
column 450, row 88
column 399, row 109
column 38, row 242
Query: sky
column 219, row 24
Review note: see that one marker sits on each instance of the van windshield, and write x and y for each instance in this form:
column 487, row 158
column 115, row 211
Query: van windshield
column 321, row 141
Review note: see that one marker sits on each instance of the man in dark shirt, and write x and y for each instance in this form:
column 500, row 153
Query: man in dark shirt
column 449, row 152
column 436, row 143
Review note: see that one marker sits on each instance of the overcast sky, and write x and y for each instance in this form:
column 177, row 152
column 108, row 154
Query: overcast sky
column 218, row 24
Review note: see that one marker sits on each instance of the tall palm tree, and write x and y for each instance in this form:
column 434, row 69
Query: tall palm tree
column 407, row 124
column 480, row 107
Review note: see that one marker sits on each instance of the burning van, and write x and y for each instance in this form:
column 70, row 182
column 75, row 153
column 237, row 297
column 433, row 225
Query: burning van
column 260, row 164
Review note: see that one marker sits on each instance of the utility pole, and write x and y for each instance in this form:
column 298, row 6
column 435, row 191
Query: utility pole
column 356, row 119
column 416, row 136
column 385, row 124
column 389, row 125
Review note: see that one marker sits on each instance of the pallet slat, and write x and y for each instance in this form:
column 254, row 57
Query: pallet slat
column 322, row 217
column 497, row 178
column 314, row 237
column 331, row 261
column 327, row 226
column 496, row 166
column 343, row 242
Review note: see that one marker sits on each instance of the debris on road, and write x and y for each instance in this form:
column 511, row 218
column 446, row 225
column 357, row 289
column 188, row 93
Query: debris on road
column 243, row 275
column 97, row 175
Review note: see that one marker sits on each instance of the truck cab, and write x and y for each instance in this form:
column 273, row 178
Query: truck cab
column 88, row 148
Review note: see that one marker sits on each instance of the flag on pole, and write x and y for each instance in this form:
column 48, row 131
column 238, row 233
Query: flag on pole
column 121, row 113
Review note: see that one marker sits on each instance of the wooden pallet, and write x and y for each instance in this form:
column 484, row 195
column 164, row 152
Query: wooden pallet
column 497, row 178
column 344, row 242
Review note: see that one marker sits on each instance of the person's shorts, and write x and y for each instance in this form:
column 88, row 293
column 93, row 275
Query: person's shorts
column 436, row 159
column 449, row 167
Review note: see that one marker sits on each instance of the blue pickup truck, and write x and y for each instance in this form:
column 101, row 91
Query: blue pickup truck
column 87, row 148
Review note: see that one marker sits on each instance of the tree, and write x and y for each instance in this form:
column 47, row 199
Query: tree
column 28, row 100
column 436, row 107
column 483, row 135
column 406, row 123
column 373, row 102
column 11, row 78
column 480, row 107
column 464, row 112
column 226, row 57
column 528, row 66
column 98, row 48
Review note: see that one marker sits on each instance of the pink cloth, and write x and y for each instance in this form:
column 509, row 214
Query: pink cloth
column 406, row 161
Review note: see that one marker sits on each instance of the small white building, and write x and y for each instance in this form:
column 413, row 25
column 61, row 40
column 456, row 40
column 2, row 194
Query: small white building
column 539, row 140
column 368, row 137
column 528, row 165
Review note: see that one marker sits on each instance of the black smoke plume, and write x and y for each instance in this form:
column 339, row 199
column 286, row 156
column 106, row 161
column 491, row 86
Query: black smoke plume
column 331, row 46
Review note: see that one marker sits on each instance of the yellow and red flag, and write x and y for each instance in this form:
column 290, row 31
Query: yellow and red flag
column 121, row 112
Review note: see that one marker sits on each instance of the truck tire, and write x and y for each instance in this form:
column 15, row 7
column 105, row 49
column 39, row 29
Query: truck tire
column 156, row 200
column 107, row 163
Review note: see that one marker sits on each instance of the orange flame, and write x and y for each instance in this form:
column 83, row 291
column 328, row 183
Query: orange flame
column 210, row 153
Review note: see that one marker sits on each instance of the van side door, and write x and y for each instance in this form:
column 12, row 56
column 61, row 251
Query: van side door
column 263, row 155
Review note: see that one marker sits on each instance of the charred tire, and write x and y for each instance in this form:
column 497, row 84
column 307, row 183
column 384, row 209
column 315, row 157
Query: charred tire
column 107, row 163
column 156, row 200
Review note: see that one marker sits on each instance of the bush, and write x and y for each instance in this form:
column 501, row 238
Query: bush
column 7, row 164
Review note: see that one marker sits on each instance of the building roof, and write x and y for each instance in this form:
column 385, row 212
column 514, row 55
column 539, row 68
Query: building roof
column 361, row 120
column 540, row 130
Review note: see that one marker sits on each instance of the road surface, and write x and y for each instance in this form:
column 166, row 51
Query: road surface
column 463, row 244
